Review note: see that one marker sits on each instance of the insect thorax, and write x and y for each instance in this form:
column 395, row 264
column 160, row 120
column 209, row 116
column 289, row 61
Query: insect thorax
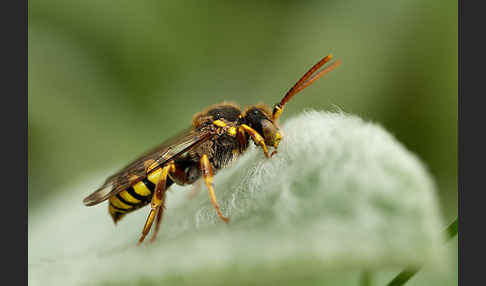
column 223, row 148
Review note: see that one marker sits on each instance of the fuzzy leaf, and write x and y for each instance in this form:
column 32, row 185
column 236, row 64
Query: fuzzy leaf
column 341, row 195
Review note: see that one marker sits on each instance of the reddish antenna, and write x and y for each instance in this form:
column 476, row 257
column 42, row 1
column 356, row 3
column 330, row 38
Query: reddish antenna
column 307, row 79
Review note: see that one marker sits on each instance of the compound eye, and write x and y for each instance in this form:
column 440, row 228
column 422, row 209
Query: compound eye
column 269, row 132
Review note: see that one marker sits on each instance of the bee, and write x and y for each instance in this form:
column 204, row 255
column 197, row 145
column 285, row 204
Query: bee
column 216, row 137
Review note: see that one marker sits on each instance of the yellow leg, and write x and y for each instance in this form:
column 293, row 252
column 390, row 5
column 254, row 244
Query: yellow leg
column 160, row 213
column 241, row 135
column 157, row 202
column 207, row 173
column 257, row 138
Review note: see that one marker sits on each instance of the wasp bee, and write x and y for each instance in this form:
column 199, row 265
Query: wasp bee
column 217, row 136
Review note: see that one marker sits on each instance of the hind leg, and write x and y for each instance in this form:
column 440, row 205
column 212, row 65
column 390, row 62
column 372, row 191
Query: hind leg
column 157, row 202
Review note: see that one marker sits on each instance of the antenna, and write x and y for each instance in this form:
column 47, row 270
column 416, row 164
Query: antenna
column 307, row 79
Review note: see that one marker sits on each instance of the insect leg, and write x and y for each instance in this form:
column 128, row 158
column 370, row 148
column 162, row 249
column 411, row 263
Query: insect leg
column 241, row 135
column 158, row 220
column 256, row 137
column 157, row 200
column 207, row 173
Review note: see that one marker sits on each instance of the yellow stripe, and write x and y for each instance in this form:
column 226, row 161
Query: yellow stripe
column 155, row 175
column 113, row 211
column 141, row 189
column 127, row 197
column 117, row 203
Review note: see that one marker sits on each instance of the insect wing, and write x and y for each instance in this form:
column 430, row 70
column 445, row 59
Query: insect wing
column 138, row 170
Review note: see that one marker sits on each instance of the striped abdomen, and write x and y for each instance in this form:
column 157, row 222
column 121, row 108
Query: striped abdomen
column 134, row 197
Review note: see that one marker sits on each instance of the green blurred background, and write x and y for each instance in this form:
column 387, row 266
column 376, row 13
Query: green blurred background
column 109, row 79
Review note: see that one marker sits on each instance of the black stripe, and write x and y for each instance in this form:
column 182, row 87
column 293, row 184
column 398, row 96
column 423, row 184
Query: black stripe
column 149, row 185
column 125, row 202
column 119, row 209
column 134, row 194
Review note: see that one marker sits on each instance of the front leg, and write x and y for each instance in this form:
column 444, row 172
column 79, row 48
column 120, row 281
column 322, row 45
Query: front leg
column 207, row 173
column 257, row 138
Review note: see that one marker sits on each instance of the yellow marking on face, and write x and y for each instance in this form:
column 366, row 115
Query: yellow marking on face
column 119, row 204
column 127, row 197
column 141, row 189
column 278, row 137
column 219, row 123
column 232, row 131
column 155, row 175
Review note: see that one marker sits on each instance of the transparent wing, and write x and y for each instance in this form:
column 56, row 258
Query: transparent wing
column 138, row 169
